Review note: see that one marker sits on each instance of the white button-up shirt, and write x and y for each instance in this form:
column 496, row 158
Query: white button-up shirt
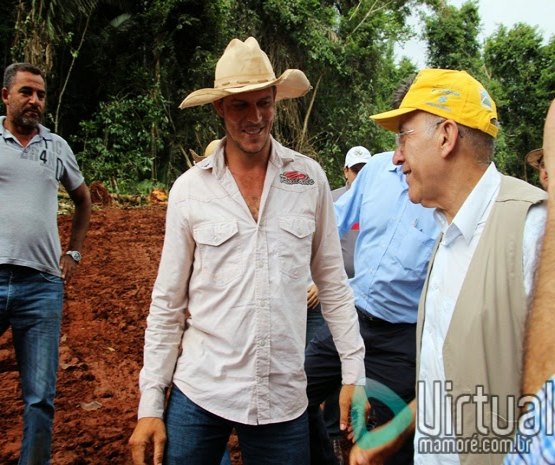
column 239, row 288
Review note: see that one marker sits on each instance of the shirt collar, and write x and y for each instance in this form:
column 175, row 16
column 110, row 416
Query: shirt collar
column 44, row 132
column 393, row 168
column 279, row 157
column 473, row 210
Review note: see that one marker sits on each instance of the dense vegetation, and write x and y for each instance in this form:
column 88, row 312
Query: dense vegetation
column 118, row 69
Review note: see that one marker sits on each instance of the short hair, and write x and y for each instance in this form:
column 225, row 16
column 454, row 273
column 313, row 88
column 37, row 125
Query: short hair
column 14, row 68
column 357, row 167
column 402, row 90
column 479, row 142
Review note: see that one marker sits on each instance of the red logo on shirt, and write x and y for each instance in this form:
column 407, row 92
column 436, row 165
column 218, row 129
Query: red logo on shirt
column 296, row 177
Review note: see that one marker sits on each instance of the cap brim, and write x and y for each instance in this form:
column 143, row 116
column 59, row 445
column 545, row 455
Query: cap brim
column 390, row 119
column 292, row 83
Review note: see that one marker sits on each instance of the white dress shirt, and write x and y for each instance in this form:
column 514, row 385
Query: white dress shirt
column 459, row 241
column 243, row 283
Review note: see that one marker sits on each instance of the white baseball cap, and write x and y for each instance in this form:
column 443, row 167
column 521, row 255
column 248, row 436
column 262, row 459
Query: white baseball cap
column 357, row 155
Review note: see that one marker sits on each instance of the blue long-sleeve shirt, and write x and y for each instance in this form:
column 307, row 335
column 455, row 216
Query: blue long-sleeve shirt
column 395, row 241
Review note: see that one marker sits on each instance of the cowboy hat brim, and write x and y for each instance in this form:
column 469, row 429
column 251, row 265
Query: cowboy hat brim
column 292, row 83
column 534, row 157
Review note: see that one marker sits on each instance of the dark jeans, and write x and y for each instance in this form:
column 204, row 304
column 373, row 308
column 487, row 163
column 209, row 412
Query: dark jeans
column 198, row 437
column 390, row 360
column 314, row 321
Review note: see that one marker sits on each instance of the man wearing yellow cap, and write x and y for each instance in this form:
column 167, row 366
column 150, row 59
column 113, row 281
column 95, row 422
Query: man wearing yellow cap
column 245, row 229
column 474, row 303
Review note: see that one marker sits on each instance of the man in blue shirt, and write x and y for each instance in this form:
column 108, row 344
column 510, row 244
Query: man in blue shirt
column 394, row 245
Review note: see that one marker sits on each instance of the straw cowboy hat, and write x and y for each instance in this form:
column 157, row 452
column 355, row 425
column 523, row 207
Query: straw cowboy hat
column 244, row 67
column 211, row 147
column 534, row 158
column 209, row 150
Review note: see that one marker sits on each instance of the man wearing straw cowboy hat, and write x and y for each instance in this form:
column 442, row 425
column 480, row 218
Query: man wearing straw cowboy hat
column 245, row 229
column 535, row 159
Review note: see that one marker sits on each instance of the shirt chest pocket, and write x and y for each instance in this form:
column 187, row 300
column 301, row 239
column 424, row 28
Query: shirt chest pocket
column 414, row 249
column 295, row 245
column 219, row 252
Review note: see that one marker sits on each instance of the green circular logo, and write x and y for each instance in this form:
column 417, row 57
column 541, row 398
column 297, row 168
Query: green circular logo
column 402, row 416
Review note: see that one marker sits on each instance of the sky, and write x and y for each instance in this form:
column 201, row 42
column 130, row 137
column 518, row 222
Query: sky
column 540, row 13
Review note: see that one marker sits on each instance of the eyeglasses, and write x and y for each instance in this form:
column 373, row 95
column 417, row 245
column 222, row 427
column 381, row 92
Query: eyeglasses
column 401, row 135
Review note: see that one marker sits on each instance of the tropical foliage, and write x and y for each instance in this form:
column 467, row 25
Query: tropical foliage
column 117, row 71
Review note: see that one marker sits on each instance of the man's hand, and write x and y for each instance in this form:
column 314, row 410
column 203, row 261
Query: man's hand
column 67, row 267
column 352, row 396
column 148, row 431
column 312, row 296
column 379, row 454
column 375, row 456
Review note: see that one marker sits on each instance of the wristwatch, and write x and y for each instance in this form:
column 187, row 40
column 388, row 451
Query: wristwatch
column 74, row 254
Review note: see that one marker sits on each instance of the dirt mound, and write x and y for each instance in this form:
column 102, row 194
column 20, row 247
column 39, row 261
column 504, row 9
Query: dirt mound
column 105, row 312
column 99, row 194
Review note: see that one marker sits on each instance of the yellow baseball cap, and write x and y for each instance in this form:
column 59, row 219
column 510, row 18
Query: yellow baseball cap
column 451, row 94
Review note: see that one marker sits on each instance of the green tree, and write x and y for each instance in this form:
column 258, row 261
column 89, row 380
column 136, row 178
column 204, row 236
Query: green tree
column 452, row 38
column 150, row 54
column 346, row 50
column 139, row 47
column 113, row 153
column 523, row 73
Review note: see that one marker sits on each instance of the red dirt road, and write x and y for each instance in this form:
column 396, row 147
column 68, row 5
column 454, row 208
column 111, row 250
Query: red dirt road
column 105, row 312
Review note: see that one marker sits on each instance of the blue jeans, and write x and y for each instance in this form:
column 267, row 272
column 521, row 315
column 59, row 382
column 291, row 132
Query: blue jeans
column 198, row 437
column 31, row 303
column 226, row 459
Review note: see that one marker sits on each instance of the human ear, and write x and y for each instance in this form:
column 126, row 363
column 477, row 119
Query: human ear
column 219, row 107
column 449, row 133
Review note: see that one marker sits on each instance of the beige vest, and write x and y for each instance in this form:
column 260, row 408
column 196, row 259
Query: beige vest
column 484, row 342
